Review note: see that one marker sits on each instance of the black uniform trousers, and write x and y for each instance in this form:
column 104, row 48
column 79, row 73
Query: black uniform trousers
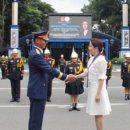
column 37, row 108
column 15, row 88
column 3, row 73
column 49, row 89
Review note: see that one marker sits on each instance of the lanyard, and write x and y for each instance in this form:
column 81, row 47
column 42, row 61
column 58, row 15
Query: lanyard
column 94, row 59
column 91, row 64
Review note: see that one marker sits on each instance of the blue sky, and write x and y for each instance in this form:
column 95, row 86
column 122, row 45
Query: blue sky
column 67, row 6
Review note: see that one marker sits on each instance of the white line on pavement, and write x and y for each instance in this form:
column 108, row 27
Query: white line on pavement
column 56, row 88
column 81, row 105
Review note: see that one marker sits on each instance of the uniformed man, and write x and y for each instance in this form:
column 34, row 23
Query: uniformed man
column 109, row 67
column 108, row 72
column 62, row 63
column 125, row 75
column 15, row 71
column 75, row 88
column 51, row 62
column 3, row 66
column 37, row 85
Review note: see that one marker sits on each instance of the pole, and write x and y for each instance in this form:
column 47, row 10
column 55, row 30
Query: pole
column 14, row 26
column 125, row 46
column 15, row 12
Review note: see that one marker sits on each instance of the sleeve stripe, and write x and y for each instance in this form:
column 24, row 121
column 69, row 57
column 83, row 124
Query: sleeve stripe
column 60, row 75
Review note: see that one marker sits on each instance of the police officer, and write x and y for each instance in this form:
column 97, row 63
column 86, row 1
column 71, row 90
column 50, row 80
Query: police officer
column 3, row 67
column 109, row 67
column 51, row 62
column 15, row 71
column 37, row 85
column 62, row 63
column 125, row 75
column 76, row 87
column 108, row 72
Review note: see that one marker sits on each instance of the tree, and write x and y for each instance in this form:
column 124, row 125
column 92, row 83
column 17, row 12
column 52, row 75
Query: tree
column 109, row 11
column 33, row 16
column 3, row 5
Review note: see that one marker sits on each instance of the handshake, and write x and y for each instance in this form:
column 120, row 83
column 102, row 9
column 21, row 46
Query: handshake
column 71, row 78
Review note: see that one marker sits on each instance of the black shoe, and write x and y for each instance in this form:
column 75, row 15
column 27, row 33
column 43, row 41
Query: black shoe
column 128, row 96
column 77, row 109
column 12, row 100
column 17, row 100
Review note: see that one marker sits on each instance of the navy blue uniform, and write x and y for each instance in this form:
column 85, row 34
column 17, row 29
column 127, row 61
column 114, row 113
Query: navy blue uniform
column 62, row 64
column 15, row 70
column 3, row 68
column 39, row 70
column 125, row 74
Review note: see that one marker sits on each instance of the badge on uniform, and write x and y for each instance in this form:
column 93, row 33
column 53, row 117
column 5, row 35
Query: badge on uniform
column 70, row 68
column 78, row 67
column 125, row 64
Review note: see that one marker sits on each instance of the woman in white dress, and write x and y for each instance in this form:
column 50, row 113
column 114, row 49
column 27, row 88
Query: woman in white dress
column 98, row 101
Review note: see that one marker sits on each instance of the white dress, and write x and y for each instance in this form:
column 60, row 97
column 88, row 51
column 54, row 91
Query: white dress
column 97, row 71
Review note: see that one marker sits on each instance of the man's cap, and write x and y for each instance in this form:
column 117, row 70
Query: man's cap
column 41, row 35
column 3, row 56
column 14, row 51
column 74, row 54
column 46, row 51
column 61, row 55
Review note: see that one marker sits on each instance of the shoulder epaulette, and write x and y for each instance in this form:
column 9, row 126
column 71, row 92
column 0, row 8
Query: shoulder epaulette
column 37, row 51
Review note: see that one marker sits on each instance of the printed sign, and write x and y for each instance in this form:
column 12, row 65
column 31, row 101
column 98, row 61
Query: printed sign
column 70, row 26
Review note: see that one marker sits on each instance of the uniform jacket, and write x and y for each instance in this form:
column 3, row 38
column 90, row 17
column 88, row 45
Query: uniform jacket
column 51, row 62
column 15, row 69
column 74, row 69
column 109, row 69
column 3, row 64
column 62, row 62
column 125, row 70
column 39, row 70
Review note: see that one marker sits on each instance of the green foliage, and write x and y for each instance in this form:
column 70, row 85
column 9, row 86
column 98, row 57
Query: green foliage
column 117, row 60
column 33, row 16
column 108, row 10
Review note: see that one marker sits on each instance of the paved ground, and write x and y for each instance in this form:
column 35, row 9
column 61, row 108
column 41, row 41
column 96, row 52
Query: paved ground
column 14, row 116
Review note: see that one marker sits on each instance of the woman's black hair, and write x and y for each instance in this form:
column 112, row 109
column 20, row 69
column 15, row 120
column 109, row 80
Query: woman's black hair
column 97, row 43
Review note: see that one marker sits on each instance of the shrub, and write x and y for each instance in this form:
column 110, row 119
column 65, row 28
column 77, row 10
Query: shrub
column 117, row 60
